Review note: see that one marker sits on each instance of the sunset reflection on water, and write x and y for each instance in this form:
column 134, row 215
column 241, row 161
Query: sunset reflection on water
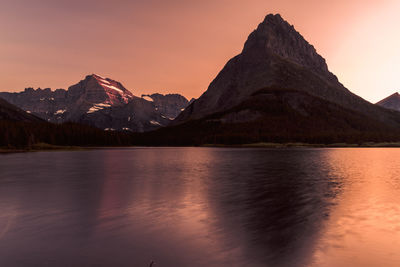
column 201, row 207
column 364, row 228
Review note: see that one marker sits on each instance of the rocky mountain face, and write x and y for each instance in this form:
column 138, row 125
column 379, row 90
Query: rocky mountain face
column 276, row 55
column 276, row 115
column 391, row 102
column 41, row 102
column 169, row 105
column 93, row 94
column 99, row 102
column 138, row 115
column 278, row 89
column 9, row 112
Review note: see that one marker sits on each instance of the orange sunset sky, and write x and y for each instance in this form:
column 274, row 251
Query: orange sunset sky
column 177, row 46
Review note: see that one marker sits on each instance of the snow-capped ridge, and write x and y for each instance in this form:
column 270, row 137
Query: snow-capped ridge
column 100, row 102
column 104, row 90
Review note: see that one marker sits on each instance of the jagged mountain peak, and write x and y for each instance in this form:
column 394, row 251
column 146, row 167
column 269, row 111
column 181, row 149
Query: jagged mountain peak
column 275, row 36
column 97, row 89
column 100, row 78
column 275, row 54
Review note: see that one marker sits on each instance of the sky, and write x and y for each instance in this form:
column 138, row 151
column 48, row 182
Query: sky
column 179, row 46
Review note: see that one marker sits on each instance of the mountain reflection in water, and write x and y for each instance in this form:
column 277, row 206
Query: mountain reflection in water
column 201, row 207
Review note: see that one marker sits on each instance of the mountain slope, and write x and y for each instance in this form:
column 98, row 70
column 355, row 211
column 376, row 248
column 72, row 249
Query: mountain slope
column 276, row 115
column 44, row 103
column 276, row 55
column 10, row 112
column 138, row 115
column 391, row 102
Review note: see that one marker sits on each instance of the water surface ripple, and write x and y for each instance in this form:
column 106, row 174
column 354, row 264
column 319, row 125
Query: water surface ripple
column 201, row 207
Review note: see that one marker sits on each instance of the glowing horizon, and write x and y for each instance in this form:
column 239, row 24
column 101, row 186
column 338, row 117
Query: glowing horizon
column 179, row 47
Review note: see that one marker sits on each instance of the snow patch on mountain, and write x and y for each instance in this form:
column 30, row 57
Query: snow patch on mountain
column 60, row 111
column 113, row 88
column 148, row 98
column 155, row 123
column 98, row 107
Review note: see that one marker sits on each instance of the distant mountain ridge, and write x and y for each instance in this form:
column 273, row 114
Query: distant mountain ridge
column 100, row 102
column 9, row 112
column 169, row 105
column 391, row 102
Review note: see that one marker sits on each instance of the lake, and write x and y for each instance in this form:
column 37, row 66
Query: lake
column 201, row 207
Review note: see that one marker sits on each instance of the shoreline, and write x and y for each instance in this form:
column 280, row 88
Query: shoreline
column 42, row 147
column 47, row 147
column 308, row 145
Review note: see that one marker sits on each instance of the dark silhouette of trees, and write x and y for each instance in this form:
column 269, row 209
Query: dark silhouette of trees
column 15, row 134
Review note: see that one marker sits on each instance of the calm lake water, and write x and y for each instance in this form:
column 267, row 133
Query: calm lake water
column 201, row 207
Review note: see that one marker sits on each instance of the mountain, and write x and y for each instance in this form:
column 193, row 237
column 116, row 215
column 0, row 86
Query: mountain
column 138, row 115
column 391, row 102
column 100, row 102
column 169, row 105
column 276, row 115
column 107, row 104
column 9, row 112
column 44, row 103
column 278, row 89
column 276, row 55
column 95, row 93
column 20, row 129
